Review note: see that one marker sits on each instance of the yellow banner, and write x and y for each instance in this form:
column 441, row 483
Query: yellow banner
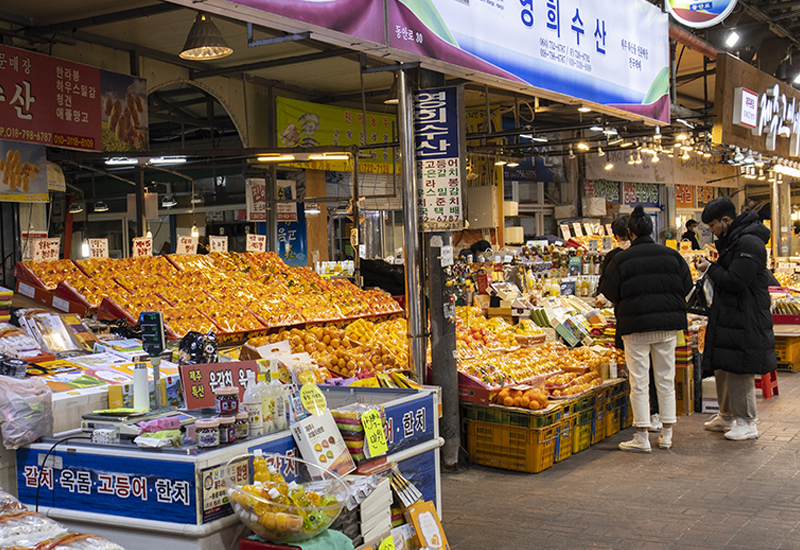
column 305, row 124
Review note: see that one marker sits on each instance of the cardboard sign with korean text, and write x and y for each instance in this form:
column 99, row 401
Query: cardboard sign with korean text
column 186, row 245
column 200, row 381
column 142, row 246
column 98, row 248
column 46, row 249
column 256, row 243
column 218, row 244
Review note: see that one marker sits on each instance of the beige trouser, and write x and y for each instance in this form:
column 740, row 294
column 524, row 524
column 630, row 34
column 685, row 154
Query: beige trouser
column 736, row 394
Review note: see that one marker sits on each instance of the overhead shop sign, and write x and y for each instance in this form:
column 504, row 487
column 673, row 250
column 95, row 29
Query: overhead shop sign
column 59, row 103
column 304, row 124
column 754, row 110
column 696, row 170
column 438, row 154
column 699, row 15
column 614, row 53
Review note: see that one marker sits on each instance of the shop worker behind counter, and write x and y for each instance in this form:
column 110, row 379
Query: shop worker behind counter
column 691, row 234
column 648, row 284
column 739, row 342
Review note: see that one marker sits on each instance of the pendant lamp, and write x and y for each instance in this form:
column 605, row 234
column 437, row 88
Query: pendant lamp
column 205, row 41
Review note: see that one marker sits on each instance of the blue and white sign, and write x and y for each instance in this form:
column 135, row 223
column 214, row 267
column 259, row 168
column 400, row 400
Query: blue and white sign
column 613, row 53
column 409, row 424
column 437, row 152
column 120, row 486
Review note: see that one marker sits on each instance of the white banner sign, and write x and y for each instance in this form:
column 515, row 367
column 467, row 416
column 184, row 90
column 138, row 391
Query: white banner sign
column 287, row 211
column 256, row 243
column 98, row 248
column 46, row 249
column 186, row 245
column 218, row 244
column 142, row 246
column 256, row 199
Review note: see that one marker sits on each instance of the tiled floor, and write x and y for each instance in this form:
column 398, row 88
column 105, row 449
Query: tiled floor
column 704, row 493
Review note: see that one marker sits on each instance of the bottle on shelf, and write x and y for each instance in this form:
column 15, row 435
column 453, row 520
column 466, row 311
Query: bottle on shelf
column 267, row 405
column 252, row 405
column 279, row 420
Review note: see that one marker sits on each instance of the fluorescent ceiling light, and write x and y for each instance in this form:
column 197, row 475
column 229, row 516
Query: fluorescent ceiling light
column 275, row 158
column 512, row 164
column 732, row 39
column 596, row 128
column 540, row 139
column 787, row 170
column 500, row 162
column 685, row 123
column 583, row 109
column 329, row 157
column 609, row 166
column 610, row 131
column 121, row 161
column 167, row 160
column 526, row 136
column 797, row 79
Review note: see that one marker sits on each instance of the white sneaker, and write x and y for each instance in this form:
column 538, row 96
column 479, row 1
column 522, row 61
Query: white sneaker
column 655, row 424
column 719, row 424
column 742, row 429
column 665, row 439
column 639, row 444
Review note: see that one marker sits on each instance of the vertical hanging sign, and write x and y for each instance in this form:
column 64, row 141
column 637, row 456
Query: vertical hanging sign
column 256, row 199
column 439, row 141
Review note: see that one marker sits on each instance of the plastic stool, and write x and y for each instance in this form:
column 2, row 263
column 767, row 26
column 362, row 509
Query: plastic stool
column 768, row 384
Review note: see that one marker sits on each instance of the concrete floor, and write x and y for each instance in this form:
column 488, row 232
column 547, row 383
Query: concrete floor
column 704, row 493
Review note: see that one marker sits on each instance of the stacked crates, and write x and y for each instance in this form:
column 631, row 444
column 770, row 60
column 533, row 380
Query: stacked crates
column 787, row 349
column 512, row 438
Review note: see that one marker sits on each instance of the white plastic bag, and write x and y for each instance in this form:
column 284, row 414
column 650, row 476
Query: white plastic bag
column 26, row 411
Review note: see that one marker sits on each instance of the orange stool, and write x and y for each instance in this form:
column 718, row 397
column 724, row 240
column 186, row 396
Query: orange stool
column 768, row 384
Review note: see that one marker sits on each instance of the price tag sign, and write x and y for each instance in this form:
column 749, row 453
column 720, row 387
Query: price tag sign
column 373, row 433
column 593, row 246
column 588, row 229
column 576, row 227
column 98, row 248
column 507, row 259
column 313, row 400
column 447, row 255
column 46, row 249
column 387, row 544
column 600, row 231
column 186, row 245
column 565, row 231
column 785, row 266
column 608, row 244
column 609, row 232
column 199, row 381
column 142, row 246
column 256, row 243
column 218, row 244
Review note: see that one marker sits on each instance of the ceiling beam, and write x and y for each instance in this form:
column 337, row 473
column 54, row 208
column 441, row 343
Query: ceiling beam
column 115, row 17
column 780, row 30
column 294, row 60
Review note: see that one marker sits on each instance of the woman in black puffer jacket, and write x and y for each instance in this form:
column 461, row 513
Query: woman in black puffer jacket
column 648, row 284
column 739, row 339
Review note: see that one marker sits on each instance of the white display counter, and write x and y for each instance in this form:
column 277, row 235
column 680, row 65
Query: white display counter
column 145, row 499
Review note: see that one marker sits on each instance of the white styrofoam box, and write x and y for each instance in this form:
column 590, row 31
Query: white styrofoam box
column 594, row 206
column 710, row 406
column 709, row 388
column 482, row 207
column 513, row 235
column 510, row 208
column 566, row 211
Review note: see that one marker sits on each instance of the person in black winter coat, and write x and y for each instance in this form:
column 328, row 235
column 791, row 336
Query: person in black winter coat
column 691, row 234
column 648, row 284
column 739, row 341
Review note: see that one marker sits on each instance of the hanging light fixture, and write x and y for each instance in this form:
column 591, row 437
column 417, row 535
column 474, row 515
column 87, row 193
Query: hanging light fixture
column 205, row 41
column 732, row 39
column 609, row 165
column 100, row 206
column 571, row 153
column 394, row 96
column 631, row 160
column 749, row 158
column 75, row 208
column 600, row 152
column 195, row 233
column 761, row 175
column 738, row 157
column 639, row 158
column 512, row 164
column 657, row 135
column 759, row 161
column 168, row 201
column 197, row 199
column 583, row 146
column 685, row 155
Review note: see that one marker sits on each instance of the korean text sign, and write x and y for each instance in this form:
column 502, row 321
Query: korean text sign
column 200, row 381
column 437, row 154
column 49, row 101
column 116, row 485
column 614, row 53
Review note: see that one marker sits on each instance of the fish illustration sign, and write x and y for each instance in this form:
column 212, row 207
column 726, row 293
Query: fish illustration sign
column 700, row 15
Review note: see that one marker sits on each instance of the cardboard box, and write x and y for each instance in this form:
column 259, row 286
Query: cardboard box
column 320, row 443
column 504, row 312
column 684, row 390
column 709, row 388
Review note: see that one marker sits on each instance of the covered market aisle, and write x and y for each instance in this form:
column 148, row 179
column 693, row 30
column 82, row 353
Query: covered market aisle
column 706, row 492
